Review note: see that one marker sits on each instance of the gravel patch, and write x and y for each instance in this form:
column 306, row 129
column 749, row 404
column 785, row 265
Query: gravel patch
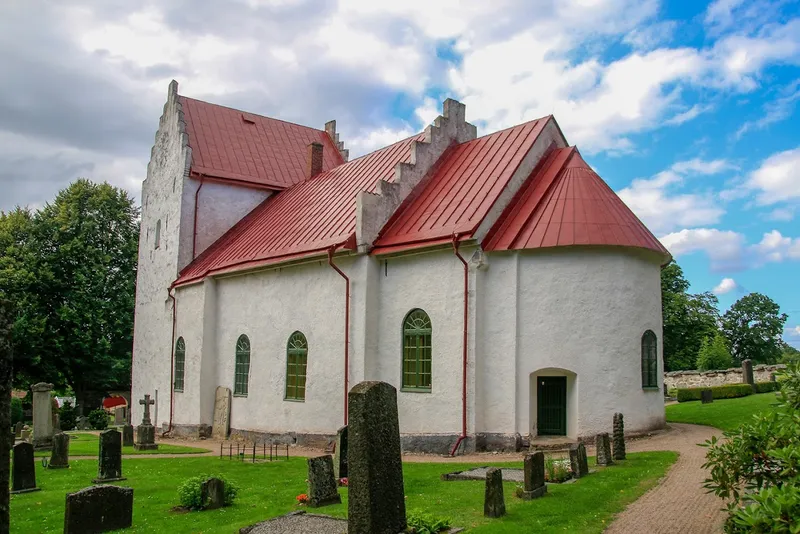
column 298, row 523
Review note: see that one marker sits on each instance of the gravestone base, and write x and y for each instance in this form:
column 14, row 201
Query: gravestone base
column 28, row 490
column 530, row 495
column 106, row 480
column 145, row 446
column 145, row 438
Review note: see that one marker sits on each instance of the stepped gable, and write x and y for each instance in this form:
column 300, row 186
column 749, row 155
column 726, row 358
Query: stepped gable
column 251, row 150
column 565, row 203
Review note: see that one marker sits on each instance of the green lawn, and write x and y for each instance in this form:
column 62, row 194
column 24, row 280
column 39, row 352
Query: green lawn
column 725, row 414
column 269, row 489
column 89, row 445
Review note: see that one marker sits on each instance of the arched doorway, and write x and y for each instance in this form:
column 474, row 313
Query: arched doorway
column 553, row 402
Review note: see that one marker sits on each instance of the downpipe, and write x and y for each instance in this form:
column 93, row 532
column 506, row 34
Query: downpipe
column 463, row 435
column 346, row 326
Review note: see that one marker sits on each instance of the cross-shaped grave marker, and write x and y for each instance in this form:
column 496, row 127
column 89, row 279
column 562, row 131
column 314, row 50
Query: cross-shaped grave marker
column 147, row 402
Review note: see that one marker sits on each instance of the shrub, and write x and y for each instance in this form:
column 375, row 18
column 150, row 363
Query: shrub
column 16, row 411
column 714, row 354
column 756, row 467
column 556, row 470
column 766, row 387
column 67, row 416
column 424, row 523
column 190, row 491
column 98, row 419
column 730, row 391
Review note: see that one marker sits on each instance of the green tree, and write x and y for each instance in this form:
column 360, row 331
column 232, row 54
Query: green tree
column 687, row 319
column 88, row 242
column 789, row 354
column 714, row 354
column 753, row 326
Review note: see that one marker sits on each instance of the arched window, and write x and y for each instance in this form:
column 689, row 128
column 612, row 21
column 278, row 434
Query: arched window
column 296, row 360
column 180, row 362
column 242, row 366
column 417, row 351
column 158, row 234
column 649, row 360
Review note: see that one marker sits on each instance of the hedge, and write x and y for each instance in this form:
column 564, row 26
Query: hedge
column 766, row 387
column 730, row 391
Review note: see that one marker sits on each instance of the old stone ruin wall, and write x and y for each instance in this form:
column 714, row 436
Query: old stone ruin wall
column 696, row 379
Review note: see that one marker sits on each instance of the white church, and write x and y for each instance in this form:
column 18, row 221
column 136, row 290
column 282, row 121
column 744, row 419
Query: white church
column 497, row 282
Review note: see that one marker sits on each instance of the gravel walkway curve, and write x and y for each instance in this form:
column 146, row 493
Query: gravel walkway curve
column 679, row 503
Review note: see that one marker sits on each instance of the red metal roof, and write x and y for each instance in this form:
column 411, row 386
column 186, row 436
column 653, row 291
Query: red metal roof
column 305, row 219
column 250, row 149
column 564, row 202
column 463, row 187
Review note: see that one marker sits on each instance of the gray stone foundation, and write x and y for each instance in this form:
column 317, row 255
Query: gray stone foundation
column 188, row 431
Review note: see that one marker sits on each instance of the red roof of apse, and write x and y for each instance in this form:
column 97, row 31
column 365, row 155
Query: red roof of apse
column 250, row 149
column 305, row 219
column 564, row 202
column 461, row 190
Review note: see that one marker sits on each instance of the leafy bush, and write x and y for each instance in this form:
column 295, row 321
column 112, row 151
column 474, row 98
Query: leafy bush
column 190, row 491
column 766, row 387
column 556, row 470
column 16, row 411
column 756, row 467
column 714, row 354
column 67, row 416
column 424, row 523
column 98, row 419
column 730, row 391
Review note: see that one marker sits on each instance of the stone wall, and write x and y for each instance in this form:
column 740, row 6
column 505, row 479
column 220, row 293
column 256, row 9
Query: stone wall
column 696, row 379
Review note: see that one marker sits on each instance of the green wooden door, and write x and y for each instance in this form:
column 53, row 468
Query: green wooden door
column 551, row 405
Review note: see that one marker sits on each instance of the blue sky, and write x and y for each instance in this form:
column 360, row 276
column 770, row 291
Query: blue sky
column 689, row 110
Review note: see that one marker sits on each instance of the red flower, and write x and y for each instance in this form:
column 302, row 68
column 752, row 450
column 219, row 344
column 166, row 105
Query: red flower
column 343, row 481
column 302, row 498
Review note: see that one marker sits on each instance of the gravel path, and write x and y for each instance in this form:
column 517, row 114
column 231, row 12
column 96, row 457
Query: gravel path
column 679, row 503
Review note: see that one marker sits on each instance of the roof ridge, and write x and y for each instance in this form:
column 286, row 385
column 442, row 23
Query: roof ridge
column 511, row 127
column 252, row 113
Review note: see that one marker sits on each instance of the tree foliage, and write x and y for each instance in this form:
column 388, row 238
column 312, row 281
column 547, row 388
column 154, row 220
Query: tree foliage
column 688, row 319
column 789, row 354
column 753, row 326
column 69, row 270
column 714, row 354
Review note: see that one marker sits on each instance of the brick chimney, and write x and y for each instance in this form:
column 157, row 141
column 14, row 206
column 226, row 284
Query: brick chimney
column 314, row 160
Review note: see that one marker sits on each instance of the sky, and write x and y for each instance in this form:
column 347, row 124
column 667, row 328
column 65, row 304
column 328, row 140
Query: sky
column 689, row 110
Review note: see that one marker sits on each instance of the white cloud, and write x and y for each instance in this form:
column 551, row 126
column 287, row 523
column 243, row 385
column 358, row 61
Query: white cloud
column 720, row 13
column 685, row 116
column 660, row 204
column 775, row 247
column 797, row 330
column 779, row 109
column 778, row 178
column 649, row 37
column 781, row 214
column 378, row 138
column 726, row 285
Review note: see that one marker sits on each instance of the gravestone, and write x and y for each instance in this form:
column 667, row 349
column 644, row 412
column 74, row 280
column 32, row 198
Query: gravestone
column 602, row 445
column 578, row 461
column 340, row 454
column 747, row 373
column 59, row 457
column 212, row 494
column 23, row 471
column 98, row 509
column 127, row 435
column 619, row 437
column 25, row 435
column 706, row 396
column 376, row 503
column 146, row 432
column 109, row 468
column 534, row 485
column 82, row 423
column 56, row 423
column 18, row 429
column 222, row 413
column 42, row 416
column 119, row 415
column 321, row 482
column 494, row 504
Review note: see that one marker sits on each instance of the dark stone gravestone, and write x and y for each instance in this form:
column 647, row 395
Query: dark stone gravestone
column 23, row 475
column 109, row 468
column 59, row 457
column 619, row 437
column 127, row 435
column 602, row 445
column 146, row 432
column 578, row 461
column 706, row 396
column 212, row 494
column 340, row 454
column 494, row 505
column 18, row 429
column 98, row 509
column 747, row 373
column 533, row 473
column 321, row 482
column 376, row 503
